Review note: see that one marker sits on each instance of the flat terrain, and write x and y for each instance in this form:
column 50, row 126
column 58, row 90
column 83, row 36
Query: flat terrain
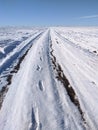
column 49, row 78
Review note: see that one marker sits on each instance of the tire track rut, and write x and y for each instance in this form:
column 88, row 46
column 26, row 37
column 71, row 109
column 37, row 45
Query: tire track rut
column 60, row 76
column 5, row 88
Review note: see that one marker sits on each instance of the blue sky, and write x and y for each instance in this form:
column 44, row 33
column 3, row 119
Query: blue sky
column 48, row 12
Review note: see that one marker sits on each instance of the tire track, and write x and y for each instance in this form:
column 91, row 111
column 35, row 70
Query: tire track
column 60, row 76
column 8, row 60
column 5, row 88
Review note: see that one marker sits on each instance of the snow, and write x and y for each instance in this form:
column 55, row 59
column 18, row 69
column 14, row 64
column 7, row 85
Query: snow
column 56, row 85
column 2, row 50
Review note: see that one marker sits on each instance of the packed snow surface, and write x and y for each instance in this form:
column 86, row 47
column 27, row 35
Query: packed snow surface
column 49, row 78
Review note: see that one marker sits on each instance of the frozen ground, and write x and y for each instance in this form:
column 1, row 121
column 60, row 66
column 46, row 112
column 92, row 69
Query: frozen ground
column 49, row 78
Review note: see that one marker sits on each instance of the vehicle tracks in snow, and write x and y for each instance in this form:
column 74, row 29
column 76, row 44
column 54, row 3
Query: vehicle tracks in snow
column 15, row 69
column 46, row 95
column 60, row 76
column 9, row 78
column 11, row 57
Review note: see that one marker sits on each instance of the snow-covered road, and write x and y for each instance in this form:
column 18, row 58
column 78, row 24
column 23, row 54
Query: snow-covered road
column 50, row 82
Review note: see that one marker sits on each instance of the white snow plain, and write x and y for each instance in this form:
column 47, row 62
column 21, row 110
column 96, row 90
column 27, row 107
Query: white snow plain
column 49, row 79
